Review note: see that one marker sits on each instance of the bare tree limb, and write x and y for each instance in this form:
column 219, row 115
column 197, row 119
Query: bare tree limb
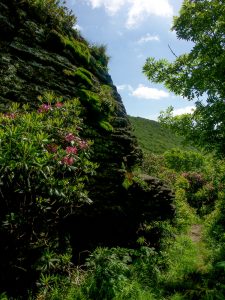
column 172, row 51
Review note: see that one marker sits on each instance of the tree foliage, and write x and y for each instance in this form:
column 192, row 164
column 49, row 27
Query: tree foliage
column 198, row 75
column 179, row 160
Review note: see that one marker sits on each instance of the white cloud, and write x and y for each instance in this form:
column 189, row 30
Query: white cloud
column 141, row 9
column 183, row 110
column 124, row 87
column 77, row 27
column 138, row 10
column 145, row 92
column 111, row 6
column 148, row 38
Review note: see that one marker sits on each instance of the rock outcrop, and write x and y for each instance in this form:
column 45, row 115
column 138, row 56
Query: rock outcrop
column 37, row 56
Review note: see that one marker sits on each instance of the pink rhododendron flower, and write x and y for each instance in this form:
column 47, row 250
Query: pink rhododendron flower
column 58, row 105
column 71, row 150
column 52, row 148
column 67, row 160
column 70, row 137
column 83, row 144
column 10, row 115
column 44, row 108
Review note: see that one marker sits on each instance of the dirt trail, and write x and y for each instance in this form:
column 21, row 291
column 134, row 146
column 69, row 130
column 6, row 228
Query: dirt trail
column 196, row 233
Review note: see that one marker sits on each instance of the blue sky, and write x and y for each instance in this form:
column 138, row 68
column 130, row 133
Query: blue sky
column 133, row 30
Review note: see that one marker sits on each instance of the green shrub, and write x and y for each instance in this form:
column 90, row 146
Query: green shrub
column 60, row 16
column 3, row 297
column 114, row 274
column 101, row 58
column 178, row 296
column 108, row 102
column 43, row 169
column 110, row 272
column 185, row 214
column 180, row 160
column 200, row 193
column 153, row 164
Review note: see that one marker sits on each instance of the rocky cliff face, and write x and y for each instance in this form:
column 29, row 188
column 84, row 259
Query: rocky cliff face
column 35, row 58
column 38, row 56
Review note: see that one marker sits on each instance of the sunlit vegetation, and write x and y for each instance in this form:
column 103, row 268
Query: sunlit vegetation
column 55, row 12
column 153, row 138
column 175, row 250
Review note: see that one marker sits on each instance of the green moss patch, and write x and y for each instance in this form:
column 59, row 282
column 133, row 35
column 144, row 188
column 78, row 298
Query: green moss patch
column 81, row 76
column 80, row 50
column 90, row 99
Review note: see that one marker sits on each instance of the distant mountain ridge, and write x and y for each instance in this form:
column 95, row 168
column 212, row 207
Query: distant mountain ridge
column 152, row 137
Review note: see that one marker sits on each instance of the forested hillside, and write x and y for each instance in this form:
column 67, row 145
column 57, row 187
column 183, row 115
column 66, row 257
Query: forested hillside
column 153, row 137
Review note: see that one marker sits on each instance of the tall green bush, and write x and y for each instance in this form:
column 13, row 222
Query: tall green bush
column 44, row 165
column 181, row 160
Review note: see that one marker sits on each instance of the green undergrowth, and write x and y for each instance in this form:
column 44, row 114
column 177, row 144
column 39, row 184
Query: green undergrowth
column 190, row 262
column 177, row 272
column 187, row 266
column 180, row 270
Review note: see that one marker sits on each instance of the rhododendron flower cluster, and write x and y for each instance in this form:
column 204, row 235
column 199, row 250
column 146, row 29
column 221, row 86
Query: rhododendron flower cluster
column 10, row 115
column 58, row 105
column 195, row 179
column 68, row 160
column 80, row 143
column 45, row 170
column 83, row 144
column 47, row 107
column 70, row 137
column 44, row 108
column 71, row 150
